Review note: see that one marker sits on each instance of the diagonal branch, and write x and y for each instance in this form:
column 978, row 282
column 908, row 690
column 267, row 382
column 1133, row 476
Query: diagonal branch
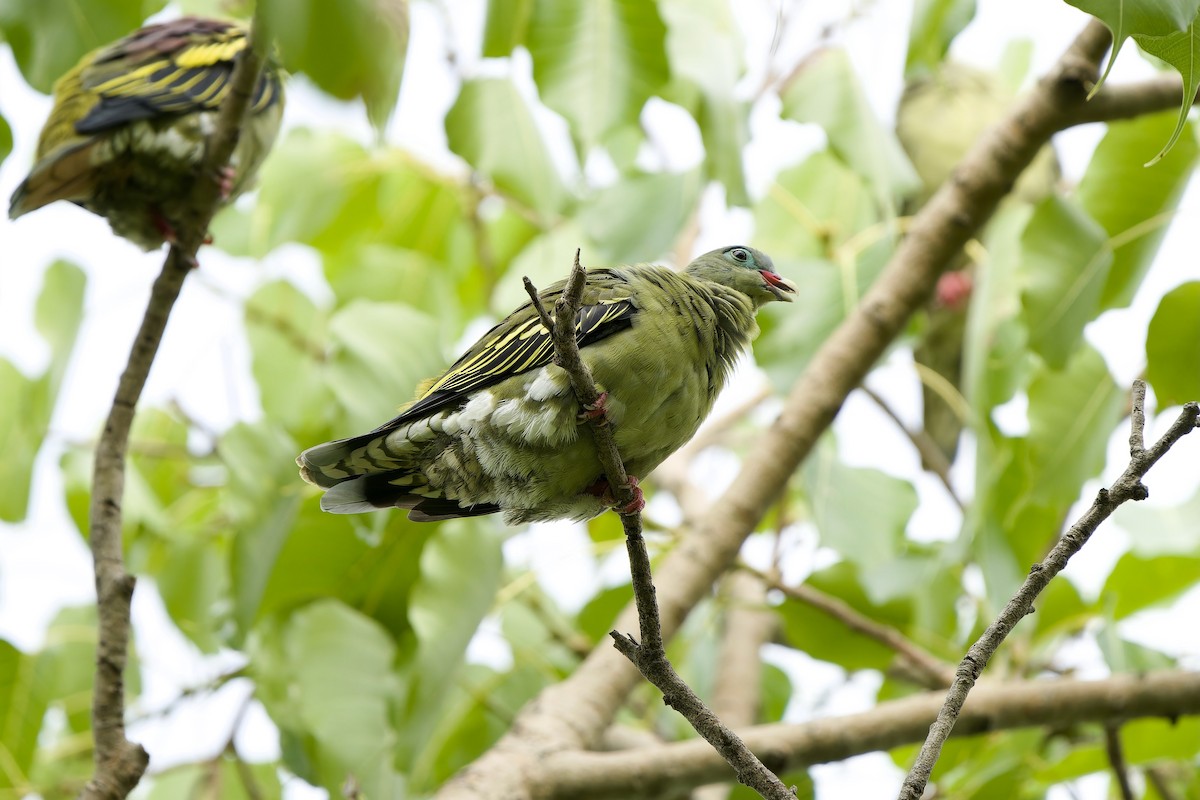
column 648, row 656
column 1128, row 486
column 119, row 763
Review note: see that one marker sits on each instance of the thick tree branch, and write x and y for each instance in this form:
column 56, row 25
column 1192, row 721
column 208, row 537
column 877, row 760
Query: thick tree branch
column 1128, row 486
column 997, row 706
column 119, row 763
column 649, row 655
column 573, row 714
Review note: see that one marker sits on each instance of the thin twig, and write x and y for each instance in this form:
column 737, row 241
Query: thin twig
column 119, row 763
column 1128, row 486
column 931, row 455
column 649, row 656
column 1158, row 777
column 933, row 671
column 1116, row 759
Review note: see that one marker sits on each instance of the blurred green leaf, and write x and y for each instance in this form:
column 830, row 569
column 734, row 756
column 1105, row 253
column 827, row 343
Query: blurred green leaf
column 706, row 53
column 349, row 49
column 491, row 127
column 227, row 778
column 826, row 91
column 26, row 404
column 1173, row 346
column 935, row 23
column 1059, row 610
column 370, row 372
column 1138, row 582
column 23, row 700
column 639, row 218
column 459, row 575
column 1134, row 204
column 286, row 332
column 326, row 676
column 869, row 534
column 597, row 63
column 1071, row 414
column 1064, row 270
column 1124, row 656
column 823, row 637
column 597, row 616
column 506, row 26
column 5, row 139
column 823, row 227
column 1150, row 740
column 1161, row 531
column 47, row 42
column 547, row 259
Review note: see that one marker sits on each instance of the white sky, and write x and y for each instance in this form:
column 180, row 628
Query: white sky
column 204, row 364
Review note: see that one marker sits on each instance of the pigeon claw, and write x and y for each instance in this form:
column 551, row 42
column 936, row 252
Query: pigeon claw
column 637, row 503
column 226, row 177
column 596, row 410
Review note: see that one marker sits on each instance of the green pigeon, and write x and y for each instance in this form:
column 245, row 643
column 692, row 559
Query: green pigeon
column 126, row 136
column 502, row 430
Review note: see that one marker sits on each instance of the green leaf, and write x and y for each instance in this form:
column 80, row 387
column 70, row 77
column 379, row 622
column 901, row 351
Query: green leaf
column 1179, row 50
column 545, row 260
column 459, row 576
column 1124, row 656
column 869, row 534
column 286, row 332
column 639, row 218
column 1147, row 17
column 350, row 49
column 491, row 127
column 1071, row 414
column 823, row 637
column 46, row 42
column 326, row 676
column 5, row 139
column 1138, row 582
column 1158, row 531
column 826, row 91
column 706, row 52
column 23, row 703
column 506, row 26
column 1059, row 610
column 26, row 404
column 369, row 372
column 1065, row 267
column 813, row 219
column 597, row 63
column 1173, row 346
column 935, row 23
column 1134, row 204
column 228, row 778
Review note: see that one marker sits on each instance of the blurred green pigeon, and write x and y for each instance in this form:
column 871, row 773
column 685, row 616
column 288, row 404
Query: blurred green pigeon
column 502, row 430
column 126, row 137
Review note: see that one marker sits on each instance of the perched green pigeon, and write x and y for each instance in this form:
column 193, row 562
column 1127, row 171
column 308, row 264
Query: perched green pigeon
column 127, row 133
column 502, row 430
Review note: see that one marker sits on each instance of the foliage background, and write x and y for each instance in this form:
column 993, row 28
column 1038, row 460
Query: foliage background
column 366, row 260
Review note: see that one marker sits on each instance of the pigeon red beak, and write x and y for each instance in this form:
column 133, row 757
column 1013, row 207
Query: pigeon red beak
column 781, row 287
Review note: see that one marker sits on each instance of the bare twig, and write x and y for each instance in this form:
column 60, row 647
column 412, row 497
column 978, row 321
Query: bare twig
column 649, row 655
column 931, row 455
column 1116, row 760
column 119, row 763
column 934, row 672
column 1158, row 776
column 1128, row 486
column 650, row 771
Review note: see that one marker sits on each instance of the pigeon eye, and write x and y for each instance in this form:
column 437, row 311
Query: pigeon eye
column 739, row 254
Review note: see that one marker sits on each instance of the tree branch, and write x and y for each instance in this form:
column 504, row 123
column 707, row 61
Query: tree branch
column 649, row 655
column 1116, row 760
column 575, row 713
column 931, row 670
column 119, row 763
column 1128, row 486
column 996, row 706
